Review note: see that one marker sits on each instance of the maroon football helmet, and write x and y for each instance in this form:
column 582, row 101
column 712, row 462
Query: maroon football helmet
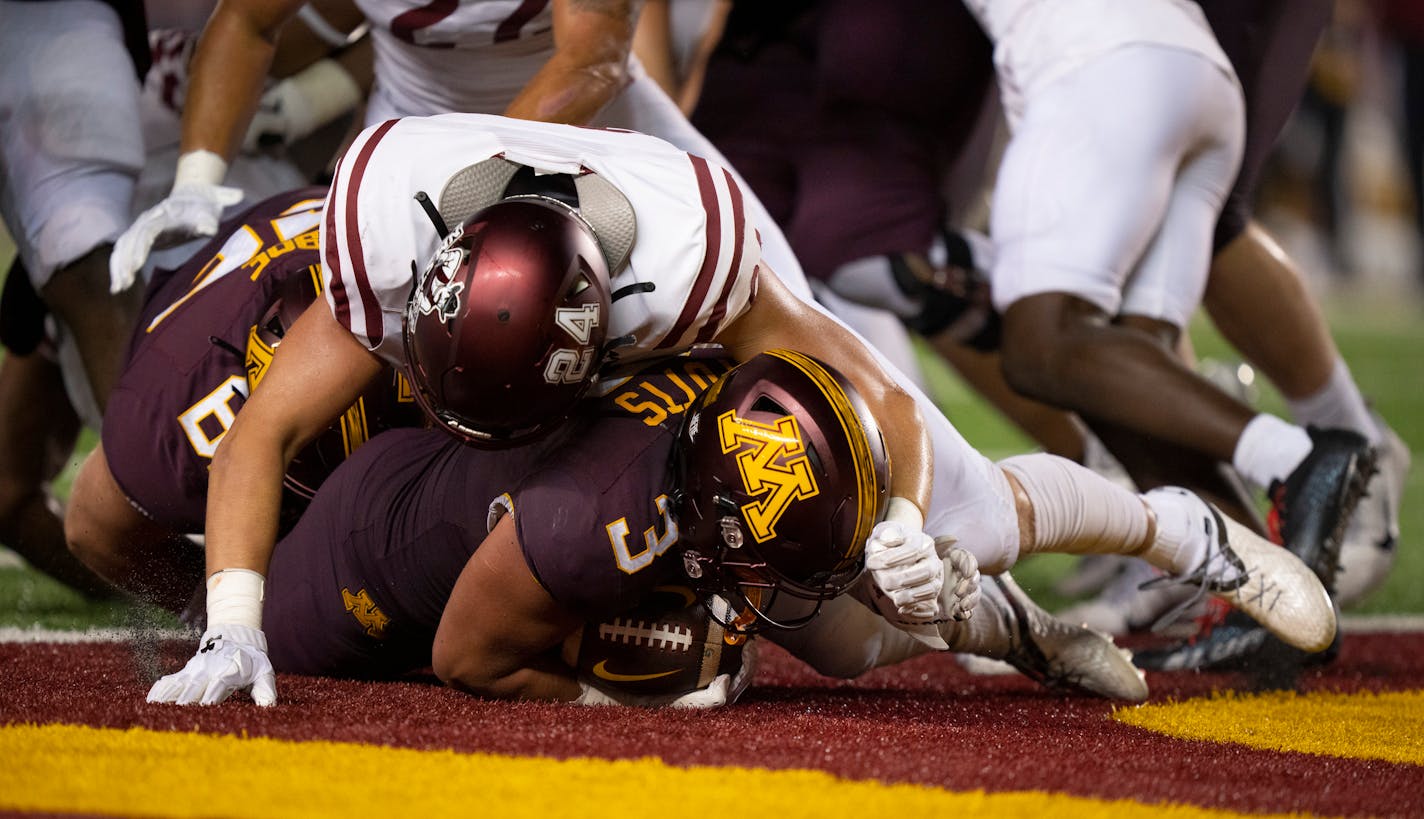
column 386, row 404
column 781, row 473
column 505, row 328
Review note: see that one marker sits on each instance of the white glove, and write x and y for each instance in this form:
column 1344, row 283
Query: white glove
column 302, row 103
column 229, row 658
column 717, row 694
column 961, row 585
column 908, row 572
column 193, row 208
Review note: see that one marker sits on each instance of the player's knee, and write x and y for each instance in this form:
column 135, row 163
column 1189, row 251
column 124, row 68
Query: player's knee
column 81, row 534
column 15, row 496
column 1030, row 365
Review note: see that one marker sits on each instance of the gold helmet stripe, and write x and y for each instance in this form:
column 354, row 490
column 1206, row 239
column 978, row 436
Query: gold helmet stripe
column 867, row 493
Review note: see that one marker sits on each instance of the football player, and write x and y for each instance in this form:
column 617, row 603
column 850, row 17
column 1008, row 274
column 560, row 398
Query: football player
column 1086, row 87
column 70, row 151
column 551, row 60
column 759, row 486
column 202, row 346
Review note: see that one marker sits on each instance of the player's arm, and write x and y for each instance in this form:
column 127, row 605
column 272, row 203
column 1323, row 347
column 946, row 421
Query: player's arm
column 499, row 626
column 592, row 40
column 229, row 71
column 776, row 318
column 318, row 370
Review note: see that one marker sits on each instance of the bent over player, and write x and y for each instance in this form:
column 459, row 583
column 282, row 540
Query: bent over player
column 204, row 340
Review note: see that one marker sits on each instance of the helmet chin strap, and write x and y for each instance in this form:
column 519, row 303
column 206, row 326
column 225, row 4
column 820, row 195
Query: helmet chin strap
column 433, row 214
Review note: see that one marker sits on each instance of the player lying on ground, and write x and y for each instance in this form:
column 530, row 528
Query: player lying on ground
column 639, row 249
column 760, row 489
column 202, row 345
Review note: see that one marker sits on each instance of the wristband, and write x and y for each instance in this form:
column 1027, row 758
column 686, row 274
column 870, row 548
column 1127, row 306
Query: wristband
column 324, row 91
column 235, row 597
column 906, row 513
column 328, row 33
column 199, row 168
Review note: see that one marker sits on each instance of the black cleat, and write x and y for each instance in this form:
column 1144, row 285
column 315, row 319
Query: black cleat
column 1236, row 643
column 1312, row 507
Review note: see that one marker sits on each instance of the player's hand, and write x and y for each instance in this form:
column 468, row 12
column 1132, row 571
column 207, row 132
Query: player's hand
column 193, row 208
column 907, row 572
column 300, row 104
column 961, row 585
column 229, row 658
column 190, row 210
column 717, row 694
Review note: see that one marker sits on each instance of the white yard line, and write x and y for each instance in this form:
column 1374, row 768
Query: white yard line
column 1351, row 623
column 12, row 634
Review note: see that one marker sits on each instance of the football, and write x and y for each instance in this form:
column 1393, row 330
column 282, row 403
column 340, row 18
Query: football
column 666, row 645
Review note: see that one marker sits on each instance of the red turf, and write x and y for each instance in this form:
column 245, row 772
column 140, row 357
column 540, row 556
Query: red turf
column 925, row 722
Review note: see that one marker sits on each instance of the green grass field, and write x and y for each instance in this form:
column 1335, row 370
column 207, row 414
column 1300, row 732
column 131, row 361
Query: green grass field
column 1383, row 341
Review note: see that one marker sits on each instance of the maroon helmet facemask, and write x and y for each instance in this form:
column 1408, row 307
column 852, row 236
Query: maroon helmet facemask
column 505, row 328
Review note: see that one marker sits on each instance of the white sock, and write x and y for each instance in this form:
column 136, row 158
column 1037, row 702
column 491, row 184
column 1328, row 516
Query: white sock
column 1269, row 449
column 1337, row 404
column 1181, row 542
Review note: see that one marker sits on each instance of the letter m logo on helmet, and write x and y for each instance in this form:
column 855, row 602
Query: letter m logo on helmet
column 773, row 464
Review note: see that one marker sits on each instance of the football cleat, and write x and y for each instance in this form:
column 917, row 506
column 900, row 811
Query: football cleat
column 1369, row 546
column 1124, row 606
column 1268, row 583
column 1059, row 655
column 1236, row 643
column 1311, row 508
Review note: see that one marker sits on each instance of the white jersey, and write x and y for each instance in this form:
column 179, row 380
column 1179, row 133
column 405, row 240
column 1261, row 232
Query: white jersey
column 692, row 238
column 498, row 45
column 1037, row 41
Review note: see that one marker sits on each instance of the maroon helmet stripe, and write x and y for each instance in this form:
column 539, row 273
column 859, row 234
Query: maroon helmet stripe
column 693, row 306
column 739, row 227
column 509, row 28
column 375, row 331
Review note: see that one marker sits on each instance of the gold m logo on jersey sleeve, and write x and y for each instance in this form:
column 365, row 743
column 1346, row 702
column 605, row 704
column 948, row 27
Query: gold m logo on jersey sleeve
column 773, row 465
column 366, row 612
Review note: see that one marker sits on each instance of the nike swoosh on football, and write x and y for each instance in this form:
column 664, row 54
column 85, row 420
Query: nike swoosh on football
column 601, row 671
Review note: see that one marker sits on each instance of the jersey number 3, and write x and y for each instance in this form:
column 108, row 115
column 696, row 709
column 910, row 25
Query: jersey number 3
column 653, row 543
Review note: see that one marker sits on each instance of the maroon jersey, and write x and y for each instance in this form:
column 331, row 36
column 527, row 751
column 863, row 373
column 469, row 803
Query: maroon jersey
column 194, row 349
column 358, row 587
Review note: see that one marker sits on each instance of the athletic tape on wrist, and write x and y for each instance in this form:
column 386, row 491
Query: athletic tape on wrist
column 200, row 168
column 906, row 513
column 235, row 596
column 326, row 92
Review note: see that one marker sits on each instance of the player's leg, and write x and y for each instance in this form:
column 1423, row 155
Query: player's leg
column 1061, row 267
column 1259, row 302
column 37, row 433
column 847, row 639
column 68, row 158
column 1065, row 508
column 108, row 533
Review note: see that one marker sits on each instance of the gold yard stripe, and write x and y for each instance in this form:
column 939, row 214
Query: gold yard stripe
column 1387, row 726
column 139, row 772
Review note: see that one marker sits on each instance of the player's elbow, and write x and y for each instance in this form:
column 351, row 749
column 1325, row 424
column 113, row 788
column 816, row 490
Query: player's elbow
column 460, row 668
